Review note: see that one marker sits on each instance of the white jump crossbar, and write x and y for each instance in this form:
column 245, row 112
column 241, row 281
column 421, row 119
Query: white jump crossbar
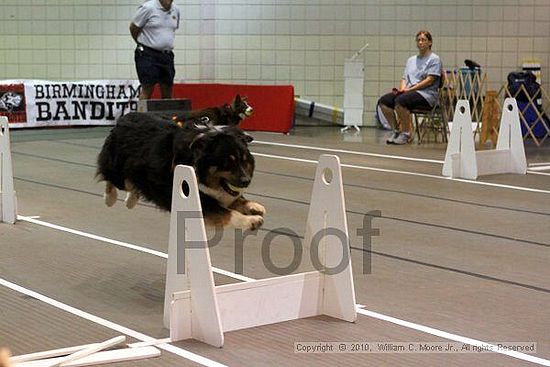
column 49, row 353
column 85, row 355
column 461, row 159
column 87, row 351
column 8, row 201
column 196, row 308
column 104, row 357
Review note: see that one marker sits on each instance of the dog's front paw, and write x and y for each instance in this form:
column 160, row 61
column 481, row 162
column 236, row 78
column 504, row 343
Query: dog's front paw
column 242, row 221
column 255, row 208
column 255, row 222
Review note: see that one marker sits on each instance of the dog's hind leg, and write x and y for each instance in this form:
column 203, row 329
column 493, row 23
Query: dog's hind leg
column 132, row 195
column 110, row 194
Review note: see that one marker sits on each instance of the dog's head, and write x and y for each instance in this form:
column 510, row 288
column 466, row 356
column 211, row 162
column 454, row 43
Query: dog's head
column 241, row 108
column 223, row 164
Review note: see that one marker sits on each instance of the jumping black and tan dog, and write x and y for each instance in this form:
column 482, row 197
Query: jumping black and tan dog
column 142, row 150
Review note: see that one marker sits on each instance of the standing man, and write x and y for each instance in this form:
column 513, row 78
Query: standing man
column 154, row 29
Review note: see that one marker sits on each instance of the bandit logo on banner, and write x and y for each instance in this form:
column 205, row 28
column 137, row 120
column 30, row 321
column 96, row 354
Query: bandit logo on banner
column 12, row 102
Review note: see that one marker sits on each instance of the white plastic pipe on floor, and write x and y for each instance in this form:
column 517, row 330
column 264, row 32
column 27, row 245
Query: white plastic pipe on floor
column 319, row 111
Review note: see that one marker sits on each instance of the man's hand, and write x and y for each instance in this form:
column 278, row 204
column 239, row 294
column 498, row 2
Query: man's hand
column 135, row 31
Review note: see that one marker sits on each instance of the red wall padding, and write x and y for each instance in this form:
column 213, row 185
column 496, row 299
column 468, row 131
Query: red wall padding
column 273, row 104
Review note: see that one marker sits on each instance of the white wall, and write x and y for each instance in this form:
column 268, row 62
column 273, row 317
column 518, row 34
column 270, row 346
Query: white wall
column 297, row 42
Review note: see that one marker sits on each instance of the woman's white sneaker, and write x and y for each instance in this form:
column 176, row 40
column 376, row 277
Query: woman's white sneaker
column 393, row 136
column 402, row 139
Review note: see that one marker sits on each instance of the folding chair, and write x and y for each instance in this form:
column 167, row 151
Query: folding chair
column 433, row 121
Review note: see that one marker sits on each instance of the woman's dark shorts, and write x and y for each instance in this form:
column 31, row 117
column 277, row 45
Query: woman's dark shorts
column 154, row 66
column 409, row 100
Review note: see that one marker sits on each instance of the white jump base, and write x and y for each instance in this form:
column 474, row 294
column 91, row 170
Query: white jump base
column 196, row 308
column 461, row 159
column 8, row 200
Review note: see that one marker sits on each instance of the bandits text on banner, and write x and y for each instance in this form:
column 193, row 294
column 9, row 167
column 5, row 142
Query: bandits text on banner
column 98, row 102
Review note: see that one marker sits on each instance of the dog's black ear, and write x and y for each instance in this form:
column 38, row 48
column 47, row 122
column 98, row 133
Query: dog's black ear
column 236, row 101
column 199, row 146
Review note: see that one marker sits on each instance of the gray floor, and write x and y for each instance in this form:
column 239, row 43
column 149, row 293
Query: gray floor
column 457, row 256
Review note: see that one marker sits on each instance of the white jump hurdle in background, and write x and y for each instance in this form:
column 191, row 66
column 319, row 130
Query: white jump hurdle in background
column 8, row 200
column 196, row 308
column 461, row 159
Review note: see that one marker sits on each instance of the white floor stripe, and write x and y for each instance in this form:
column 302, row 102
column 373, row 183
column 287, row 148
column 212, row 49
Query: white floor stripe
column 367, row 168
column 120, row 243
column 388, row 156
column 532, row 166
column 458, row 338
column 111, row 325
column 93, row 236
column 360, row 309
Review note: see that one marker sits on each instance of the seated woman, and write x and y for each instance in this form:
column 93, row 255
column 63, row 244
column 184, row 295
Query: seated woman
column 418, row 89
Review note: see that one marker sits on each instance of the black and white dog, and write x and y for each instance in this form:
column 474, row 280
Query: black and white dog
column 227, row 114
column 142, row 150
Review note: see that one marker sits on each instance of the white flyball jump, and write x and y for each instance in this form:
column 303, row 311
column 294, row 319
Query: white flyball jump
column 461, row 159
column 8, row 200
column 196, row 308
